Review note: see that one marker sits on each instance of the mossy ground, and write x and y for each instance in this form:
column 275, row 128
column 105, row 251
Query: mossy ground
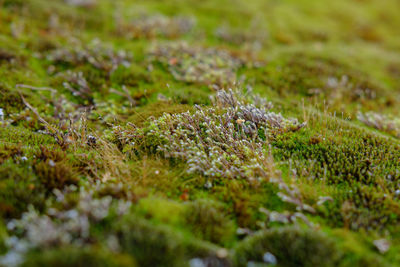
column 83, row 83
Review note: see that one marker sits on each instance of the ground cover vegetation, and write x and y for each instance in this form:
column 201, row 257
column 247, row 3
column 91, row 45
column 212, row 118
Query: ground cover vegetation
column 199, row 133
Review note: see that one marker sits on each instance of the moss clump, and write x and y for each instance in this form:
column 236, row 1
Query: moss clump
column 150, row 245
column 361, row 166
column 381, row 122
column 132, row 76
column 9, row 151
column 200, row 65
column 365, row 207
column 191, row 96
column 161, row 245
column 3, row 236
column 155, row 110
column 18, row 189
column 291, row 246
column 306, row 74
column 55, row 175
column 16, row 135
column 53, row 169
column 226, row 141
column 208, row 220
column 94, row 54
column 205, row 219
column 350, row 155
column 161, row 210
column 10, row 100
column 74, row 256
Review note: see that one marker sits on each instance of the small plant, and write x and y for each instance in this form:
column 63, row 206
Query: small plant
column 151, row 26
column 227, row 141
column 78, row 86
column 197, row 64
column 94, row 54
column 60, row 137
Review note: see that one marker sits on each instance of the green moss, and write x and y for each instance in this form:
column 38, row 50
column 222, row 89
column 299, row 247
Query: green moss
column 154, row 244
column 53, row 171
column 16, row 135
column 155, row 110
column 291, row 246
column 366, row 207
column 208, row 220
column 149, row 244
column 74, row 256
column 18, row 189
column 9, row 151
column 356, row 162
column 3, row 236
column 132, row 76
column 245, row 200
column 161, row 210
column 188, row 95
column 55, row 175
column 10, row 100
column 356, row 249
column 341, row 152
column 338, row 56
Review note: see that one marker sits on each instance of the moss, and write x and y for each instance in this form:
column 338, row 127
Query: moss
column 367, row 208
column 208, row 220
column 161, row 210
column 55, row 175
column 291, row 246
column 18, row 189
column 356, row 162
column 74, row 256
column 339, row 56
column 356, row 249
column 16, row 135
column 9, row 151
column 154, row 244
column 155, row 110
column 151, row 245
column 3, row 237
column 10, row 100
column 352, row 155
column 191, row 96
column 132, row 76
column 53, row 169
column 322, row 78
column 205, row 219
